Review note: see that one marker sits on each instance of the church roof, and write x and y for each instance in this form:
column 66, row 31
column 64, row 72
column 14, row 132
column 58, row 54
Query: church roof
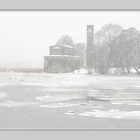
column 61, row 45
column 62, row 56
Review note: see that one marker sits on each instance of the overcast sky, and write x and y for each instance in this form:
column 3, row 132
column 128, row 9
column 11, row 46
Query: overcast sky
column 25, row 36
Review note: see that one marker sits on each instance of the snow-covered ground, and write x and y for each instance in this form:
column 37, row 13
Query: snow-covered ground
column 67, row 100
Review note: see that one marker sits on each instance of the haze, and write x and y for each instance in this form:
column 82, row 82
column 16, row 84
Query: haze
column 26, row 36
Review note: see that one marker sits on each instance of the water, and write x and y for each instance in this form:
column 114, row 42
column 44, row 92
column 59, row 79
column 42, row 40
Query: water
column 69, row 101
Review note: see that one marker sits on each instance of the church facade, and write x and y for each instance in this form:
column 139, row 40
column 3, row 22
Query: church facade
column 64, row 58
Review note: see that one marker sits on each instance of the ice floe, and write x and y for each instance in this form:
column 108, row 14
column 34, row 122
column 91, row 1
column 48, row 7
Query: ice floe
column 91, row 105
column 59, row 105
column 10, row 103
column 129, row 102
column 113, row 113
column 3, row 95
column 56, row 98
column 69, row 112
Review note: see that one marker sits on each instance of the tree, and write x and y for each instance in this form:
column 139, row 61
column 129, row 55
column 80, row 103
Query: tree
column 81, row 48
column 104, row 41
column 65, row 40
column 128, row 49
column 134, row 37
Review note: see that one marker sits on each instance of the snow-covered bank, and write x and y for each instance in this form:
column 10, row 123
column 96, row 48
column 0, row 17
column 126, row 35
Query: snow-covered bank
column 69, row 80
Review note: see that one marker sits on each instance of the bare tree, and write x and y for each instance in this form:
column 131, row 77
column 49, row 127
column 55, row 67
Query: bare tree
column 104, row 40
column 65, row 40
column 128, row 48
column 81, row 48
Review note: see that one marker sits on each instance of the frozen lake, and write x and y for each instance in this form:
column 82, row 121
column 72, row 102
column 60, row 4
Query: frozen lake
column 69, row 101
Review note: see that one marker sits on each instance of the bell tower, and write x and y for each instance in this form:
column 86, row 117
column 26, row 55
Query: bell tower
column 90, row 45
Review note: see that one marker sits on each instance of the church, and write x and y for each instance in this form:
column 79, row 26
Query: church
column 64, row 58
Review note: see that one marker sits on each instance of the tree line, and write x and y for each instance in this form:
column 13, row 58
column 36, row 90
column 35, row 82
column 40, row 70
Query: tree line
column 114, row 47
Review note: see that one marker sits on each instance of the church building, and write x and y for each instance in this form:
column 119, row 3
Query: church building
column 90, row 47
column 64, row 58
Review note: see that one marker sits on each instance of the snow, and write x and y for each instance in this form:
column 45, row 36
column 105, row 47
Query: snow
column 81, row 71
column 70, row 90
column 30, row 99
column 113, row 113
column 70, row 112
column 3, row 95
column 119, row 71
column 126, row 102
column 58, row 105
column 10, row 103
column 56, row 98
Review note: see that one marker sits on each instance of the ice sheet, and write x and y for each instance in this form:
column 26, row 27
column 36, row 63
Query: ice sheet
column 10, row 103
column 58, row 105
column 113, row 113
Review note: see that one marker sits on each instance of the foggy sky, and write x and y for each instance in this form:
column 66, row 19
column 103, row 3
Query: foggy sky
column 25, row 36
